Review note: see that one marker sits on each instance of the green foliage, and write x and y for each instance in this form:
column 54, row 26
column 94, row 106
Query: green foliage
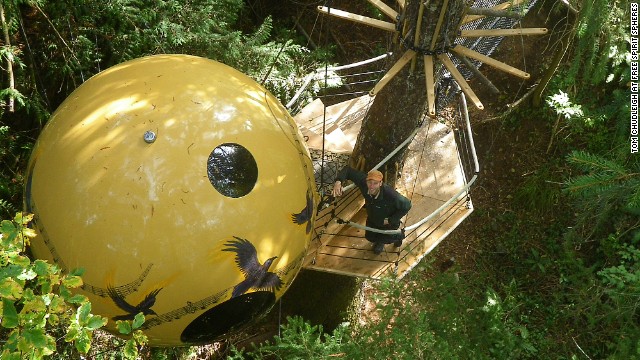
column 538, row 192
column 600, row 42
column 90, row 36
column 14, row 152
column 604, row 189
column 591, row 92
column 626, row 275
column 589, row 119
column 602, row 282
column 25, row 93
column 440, row 318
column 38, row 304
column 174, row 353
column 137, row 337
column 607, row 192
column 300, row 340
column 37, row 298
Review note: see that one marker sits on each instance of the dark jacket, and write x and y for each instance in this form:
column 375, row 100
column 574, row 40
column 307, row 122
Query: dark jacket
column 388, row 205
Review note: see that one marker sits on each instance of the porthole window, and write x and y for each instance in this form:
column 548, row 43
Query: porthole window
column 232, row 170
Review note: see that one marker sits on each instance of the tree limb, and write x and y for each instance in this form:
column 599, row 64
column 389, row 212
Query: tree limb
column 480, row 76
column 511, row 107
column 566, row 41
column 9, row 56
column 57, row 33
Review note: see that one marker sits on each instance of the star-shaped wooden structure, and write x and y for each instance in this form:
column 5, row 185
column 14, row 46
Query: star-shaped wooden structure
column 431, row 55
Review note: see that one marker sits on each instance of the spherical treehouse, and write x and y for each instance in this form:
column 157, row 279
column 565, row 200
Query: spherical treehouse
column 183, row 189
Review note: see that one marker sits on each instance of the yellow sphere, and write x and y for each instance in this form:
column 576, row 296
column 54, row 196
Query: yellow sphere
column 183, row 189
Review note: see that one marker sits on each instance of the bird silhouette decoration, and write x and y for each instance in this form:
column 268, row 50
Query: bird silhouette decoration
column 143, row 307
column 256, row 276
column 304, row 216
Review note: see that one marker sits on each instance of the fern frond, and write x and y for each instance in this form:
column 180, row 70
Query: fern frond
column 7, row 208
column 261, row 35
column 593, row 163
column 634, row 200
column 592, row 183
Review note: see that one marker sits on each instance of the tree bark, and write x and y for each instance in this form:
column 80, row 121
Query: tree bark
column 399, row 106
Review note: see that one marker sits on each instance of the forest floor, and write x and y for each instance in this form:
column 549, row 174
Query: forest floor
column 510, row 149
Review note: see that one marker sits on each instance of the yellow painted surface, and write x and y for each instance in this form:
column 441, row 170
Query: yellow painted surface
column 141, row 216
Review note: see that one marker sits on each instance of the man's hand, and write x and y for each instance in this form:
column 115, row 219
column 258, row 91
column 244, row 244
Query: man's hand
column 337, row 189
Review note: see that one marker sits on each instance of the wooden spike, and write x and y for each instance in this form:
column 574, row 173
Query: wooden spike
column 395, row 69
column 416, row 40
column 446, row 61
column 459, row 49
column 431, row 85
column 358, row 18
column 502, row 6
column 401, row 3
column 438, row 25
column 503, row 32
column 405, row 29
column 384, row 8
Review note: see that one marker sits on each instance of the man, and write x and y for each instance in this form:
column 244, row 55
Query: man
column 385, row 206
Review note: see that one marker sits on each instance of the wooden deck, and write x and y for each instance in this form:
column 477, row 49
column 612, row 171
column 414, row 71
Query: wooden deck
column 432, row 176
column 341, row 123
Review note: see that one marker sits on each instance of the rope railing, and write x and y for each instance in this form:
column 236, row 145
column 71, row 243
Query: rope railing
column 321, row 72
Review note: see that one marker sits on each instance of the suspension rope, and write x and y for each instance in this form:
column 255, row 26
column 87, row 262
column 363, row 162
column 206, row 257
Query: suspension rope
column 355, row 74
column 413, row 190
column 343, row 94
column 324, row 107
column 468, row 184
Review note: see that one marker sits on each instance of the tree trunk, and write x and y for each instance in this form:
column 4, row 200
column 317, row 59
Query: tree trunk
column 399, row 106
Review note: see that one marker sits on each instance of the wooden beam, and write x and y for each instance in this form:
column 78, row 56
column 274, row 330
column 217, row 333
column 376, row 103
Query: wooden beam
column 505, row 5
column 446, row 61
column 386, row 9
column 431, row 85
column 401, row 3
column 358, row 18
column 395, row 69
column 503, row 32
column 416, row 40
column 459, row 49
column 434, row 37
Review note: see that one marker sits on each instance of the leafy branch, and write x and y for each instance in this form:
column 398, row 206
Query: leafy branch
column 37, row 300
